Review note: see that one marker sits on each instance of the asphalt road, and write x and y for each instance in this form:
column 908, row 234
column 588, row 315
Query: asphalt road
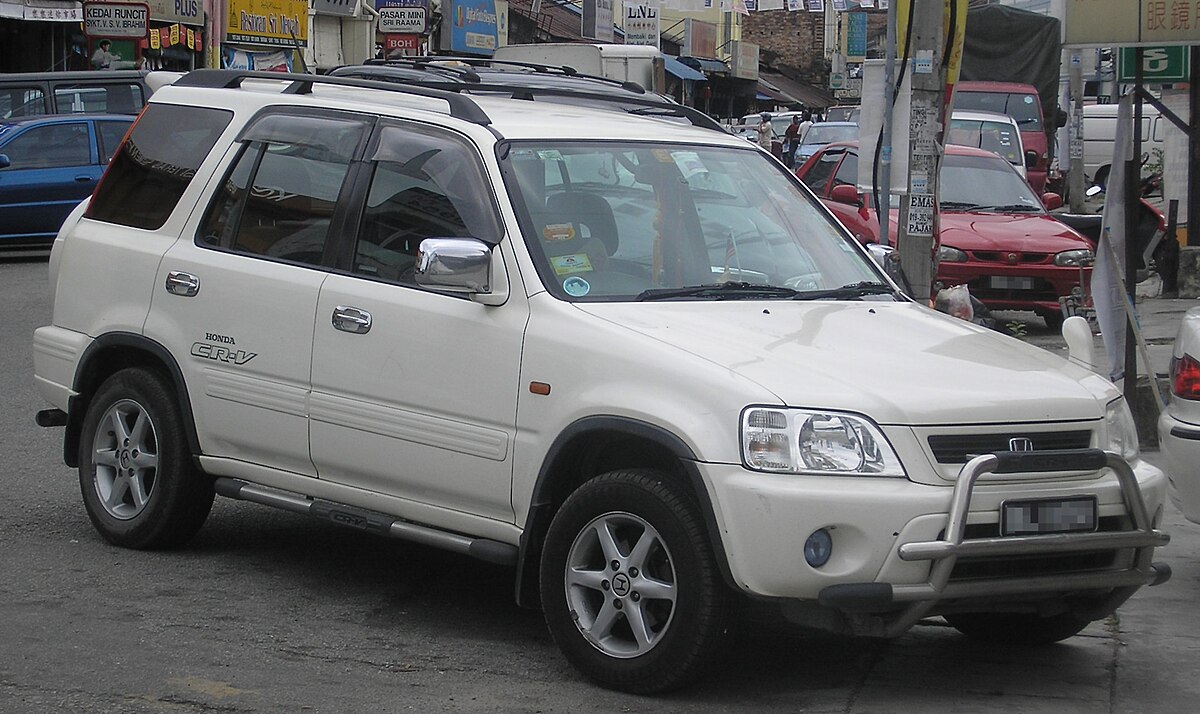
column 271, row 612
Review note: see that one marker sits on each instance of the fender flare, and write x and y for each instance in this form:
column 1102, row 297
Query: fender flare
column 82, row 395
column 541, row 507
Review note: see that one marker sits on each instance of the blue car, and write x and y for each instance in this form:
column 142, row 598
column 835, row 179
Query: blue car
column 48, row 164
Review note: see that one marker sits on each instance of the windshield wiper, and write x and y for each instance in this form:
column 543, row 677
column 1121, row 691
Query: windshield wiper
column 957, row 204
column 1011, row 207
column 719, row 291
column 847, row 292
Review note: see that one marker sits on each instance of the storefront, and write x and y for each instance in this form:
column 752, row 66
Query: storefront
column 265, row 35
column 41, row 35
column 342, row 33
column 177, row 36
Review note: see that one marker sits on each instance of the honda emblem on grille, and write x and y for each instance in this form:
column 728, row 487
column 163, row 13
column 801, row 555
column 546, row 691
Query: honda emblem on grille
column 1020, row 443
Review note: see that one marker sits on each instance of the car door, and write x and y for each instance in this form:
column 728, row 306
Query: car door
column 414, row 391
column 51, row 168
column 236, row 297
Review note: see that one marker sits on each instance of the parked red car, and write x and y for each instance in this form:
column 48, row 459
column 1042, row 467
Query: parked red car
column 996, row 235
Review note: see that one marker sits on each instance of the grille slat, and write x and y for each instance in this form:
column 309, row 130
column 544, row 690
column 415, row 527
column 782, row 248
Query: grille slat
column 959, row 448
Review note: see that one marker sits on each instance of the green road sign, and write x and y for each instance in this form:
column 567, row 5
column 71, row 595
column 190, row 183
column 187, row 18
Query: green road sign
column 1159, row 64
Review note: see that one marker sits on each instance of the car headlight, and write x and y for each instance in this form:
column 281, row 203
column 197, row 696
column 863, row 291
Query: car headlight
column 946, row 254
column 1075, row 258
column 816, row 442
column 1121, row 436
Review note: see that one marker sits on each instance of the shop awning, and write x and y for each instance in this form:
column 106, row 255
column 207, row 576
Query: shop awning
column 810, row 96
column 681, row 70
column 706, row 65
column 769, row 92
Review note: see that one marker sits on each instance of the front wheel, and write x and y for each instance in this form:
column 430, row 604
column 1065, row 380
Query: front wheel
column 630, row 586
column 136, row 475
column 1017, row 628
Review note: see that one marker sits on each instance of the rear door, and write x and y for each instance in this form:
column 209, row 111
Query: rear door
column 235, row 298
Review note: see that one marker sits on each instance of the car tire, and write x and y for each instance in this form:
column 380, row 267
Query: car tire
column 1017, row 628
column 1053, row 318
column 666, row 587
column 139, row 485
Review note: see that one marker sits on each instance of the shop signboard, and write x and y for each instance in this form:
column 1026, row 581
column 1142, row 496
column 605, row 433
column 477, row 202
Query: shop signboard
column 1131, row 22
column 189, row 12
column 402, row 16
column 115, row 19
column 345, row 8
column 401, row 42
column 641, row 23
column 598, row 20
column 699, row 38
column 743, row 60
column 1159, row 64
column 854, row 24
column 279, row 23
column 470, row 26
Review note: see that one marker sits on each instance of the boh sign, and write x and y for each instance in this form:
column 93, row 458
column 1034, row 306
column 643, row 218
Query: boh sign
column 115, row 19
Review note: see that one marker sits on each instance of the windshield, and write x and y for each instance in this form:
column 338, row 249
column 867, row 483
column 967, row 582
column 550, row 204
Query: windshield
column 633, row 221
column 984, row 183
column 825, row 134
column 996, row 136
column 1021, row 106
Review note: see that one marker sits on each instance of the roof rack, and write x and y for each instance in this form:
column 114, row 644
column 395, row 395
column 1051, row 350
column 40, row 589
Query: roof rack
column 437, row 61
column 460, row 107
column 647, row 104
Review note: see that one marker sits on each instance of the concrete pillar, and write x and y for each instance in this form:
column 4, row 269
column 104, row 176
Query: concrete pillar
column 1189, row 272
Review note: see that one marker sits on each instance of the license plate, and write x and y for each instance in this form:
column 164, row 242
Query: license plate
column 1056, row 516
column 1005, row 282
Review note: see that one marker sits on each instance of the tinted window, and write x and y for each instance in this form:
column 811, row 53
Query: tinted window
column 423, row 185
column 22, row 102
column 279, row 197
column 45, row 147
column 151, row 171
column 819, row 174
column 110, row 133
column 847, row 173
column 1024, row 108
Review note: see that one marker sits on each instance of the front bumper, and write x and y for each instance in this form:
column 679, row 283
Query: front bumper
column 1180, row 443
column 998, row 285
column 896, row 543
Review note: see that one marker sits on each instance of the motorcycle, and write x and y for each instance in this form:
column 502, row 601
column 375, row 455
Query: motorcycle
column 1155, row 254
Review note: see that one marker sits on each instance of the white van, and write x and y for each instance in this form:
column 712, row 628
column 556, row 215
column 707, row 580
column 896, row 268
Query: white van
column 1100, row 130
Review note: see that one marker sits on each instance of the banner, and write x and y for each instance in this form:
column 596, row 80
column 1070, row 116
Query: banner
column 276, row 61
column 282, row 23
column 795, row 5
column 1107, row 295
column 816, row 5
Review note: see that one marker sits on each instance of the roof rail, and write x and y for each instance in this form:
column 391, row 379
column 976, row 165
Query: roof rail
column 425, row 61
column 647, row 104
column 461, row 107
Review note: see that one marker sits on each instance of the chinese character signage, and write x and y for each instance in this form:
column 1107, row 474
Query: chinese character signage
column 641, row 22
column 1132, row 22
column 282, row 23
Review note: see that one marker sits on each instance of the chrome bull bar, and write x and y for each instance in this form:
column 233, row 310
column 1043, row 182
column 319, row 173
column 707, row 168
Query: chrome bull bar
column 922, row 597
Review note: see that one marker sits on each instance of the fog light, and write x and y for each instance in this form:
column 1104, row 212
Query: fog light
column 818, row 548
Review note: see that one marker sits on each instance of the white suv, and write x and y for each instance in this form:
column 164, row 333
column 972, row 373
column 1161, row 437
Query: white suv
column 632, row 357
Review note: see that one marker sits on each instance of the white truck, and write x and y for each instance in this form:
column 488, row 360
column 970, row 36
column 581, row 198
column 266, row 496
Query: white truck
column 635, row 63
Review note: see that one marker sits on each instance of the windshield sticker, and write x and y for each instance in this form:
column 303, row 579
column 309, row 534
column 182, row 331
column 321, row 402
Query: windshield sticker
column 570, row 264
column 550, row 154
column 556, row 232
column 689, row 163
column 663, row 156
column 1028, row 99
column 576, row 286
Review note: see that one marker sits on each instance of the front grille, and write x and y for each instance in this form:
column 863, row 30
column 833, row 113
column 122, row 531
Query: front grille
column 958, row 449
column 989, row 256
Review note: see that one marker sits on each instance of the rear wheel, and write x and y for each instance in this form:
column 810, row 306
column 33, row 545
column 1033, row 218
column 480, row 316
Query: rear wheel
column 1017, row 628
column 136, row 475
column 630, row 586
column 1053, row 319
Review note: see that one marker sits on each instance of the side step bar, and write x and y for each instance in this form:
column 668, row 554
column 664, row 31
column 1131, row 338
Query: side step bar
column 490, row 551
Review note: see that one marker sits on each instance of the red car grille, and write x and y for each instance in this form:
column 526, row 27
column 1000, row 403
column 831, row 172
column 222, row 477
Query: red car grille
column 1018, row 258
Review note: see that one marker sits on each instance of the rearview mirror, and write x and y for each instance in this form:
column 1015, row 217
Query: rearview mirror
column 1051, row 201
column 846, row 194
column 1031, row 159
column 4, row 161
column 459, row 265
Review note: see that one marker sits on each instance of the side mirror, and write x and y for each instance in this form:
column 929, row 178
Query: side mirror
column 1060, row 119
column 1031, row 159
column 5, row 162
column 846, row 194
column 1051, row 201
column 457, row 265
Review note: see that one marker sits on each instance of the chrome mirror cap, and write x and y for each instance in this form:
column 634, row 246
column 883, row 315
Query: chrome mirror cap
column 460, row 265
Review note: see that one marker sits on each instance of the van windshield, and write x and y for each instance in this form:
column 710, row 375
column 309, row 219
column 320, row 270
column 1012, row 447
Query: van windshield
column 624, row 221
column 1021, row 106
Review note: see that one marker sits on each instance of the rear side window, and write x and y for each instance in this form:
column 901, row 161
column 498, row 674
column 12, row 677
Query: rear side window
column 22, row 101
column 116, row 98
column 149, row 173
column 279, row 197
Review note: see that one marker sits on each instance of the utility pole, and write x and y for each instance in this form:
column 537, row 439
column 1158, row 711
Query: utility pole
column 918, row 211
column 1075, row 182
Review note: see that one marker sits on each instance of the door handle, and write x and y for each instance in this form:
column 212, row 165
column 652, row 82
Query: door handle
column 83, row 178
column 351, row 319
column 184, row 284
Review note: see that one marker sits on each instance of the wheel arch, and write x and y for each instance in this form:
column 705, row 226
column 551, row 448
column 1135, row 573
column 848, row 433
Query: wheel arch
column 592, row 446
column 108, row 354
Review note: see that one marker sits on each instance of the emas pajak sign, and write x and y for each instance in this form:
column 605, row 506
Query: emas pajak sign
column 121, row 20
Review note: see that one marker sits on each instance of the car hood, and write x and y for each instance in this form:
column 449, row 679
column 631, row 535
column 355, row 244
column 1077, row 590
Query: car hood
column 1009, row 232
column 898, row 363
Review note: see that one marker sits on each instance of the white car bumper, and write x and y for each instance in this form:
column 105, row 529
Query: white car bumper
column 1180, row 443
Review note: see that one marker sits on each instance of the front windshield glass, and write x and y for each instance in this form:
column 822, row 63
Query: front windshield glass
column 633, row 221
column 824, row 134
column 984, row 183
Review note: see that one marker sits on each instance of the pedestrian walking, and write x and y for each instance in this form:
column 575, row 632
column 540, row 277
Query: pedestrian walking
column 764, row 131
